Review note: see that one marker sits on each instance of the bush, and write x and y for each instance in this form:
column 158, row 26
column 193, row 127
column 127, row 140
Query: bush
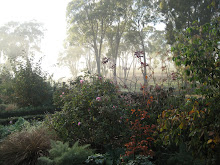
column 27, row 111
column 191, row 124
column 2, row 107
column 30, row 86
column 198, row 53
column 6, row 86
column 28, row 118
column 93, row 113
column 61, row 154
column 25, row 147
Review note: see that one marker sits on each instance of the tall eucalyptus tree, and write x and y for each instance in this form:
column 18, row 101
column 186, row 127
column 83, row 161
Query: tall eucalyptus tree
column 20, row 40
column 180, row 15
column 87, row 24
column 70, row 58
column 144, row 14
column 121, row 12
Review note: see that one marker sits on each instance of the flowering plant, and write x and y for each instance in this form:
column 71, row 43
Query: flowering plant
column 92, row 113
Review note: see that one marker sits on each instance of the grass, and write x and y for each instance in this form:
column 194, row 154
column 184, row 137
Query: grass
column 25, row 147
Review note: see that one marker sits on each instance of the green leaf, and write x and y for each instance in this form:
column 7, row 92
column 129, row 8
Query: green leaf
column 181, row 125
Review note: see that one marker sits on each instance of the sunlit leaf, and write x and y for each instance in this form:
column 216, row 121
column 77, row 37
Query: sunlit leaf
column 209, row 141
column 181, row 125
column 165, row 126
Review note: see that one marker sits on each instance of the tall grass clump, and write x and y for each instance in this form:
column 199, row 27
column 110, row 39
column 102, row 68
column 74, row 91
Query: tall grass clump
column 24, row 147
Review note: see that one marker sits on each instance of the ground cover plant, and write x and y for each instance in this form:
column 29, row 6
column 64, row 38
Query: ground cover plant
column 60, row 154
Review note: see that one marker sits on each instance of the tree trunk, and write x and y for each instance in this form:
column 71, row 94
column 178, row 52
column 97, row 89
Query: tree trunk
column 144, row 56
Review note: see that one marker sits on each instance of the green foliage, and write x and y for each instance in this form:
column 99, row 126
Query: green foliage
column 26, row 146
column 31, row 87
column 61, row 154
column 180, row 15
column 140, row 159
column 18, row 126
column 183, row 157
column 163, row 98
column 6, row 86
column 93, row 112
column 191, row 124
column 96, row 159
column 198, row 52
column 111, row 157
column 59, row 93
column 28, row 118
column 27, row 111
column 2, row 107
column 196, row 122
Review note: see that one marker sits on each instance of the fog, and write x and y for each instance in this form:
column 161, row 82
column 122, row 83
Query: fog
column 116, row 82
column 125, row 41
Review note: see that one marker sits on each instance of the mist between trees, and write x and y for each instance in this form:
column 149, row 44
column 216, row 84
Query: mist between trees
column 124, row 40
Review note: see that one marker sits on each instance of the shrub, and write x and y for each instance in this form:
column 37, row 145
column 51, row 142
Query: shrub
column 191, row 124
column 61, row 154
column 27, row 111
column 61, row 91
column 30, row 86
column 93, row 113
column 28, row 118
column 2, row 107
column 6, row 86
column 25, row 147
column 198, row 52
column 141, row 138
column 183, row 157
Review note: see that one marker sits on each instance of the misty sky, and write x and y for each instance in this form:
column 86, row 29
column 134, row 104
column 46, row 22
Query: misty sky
column 52, row 13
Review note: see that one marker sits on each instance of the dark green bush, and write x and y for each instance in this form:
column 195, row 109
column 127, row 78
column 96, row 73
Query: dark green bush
column 6, row 86
column 27, row 111
column 30, row 86
column 2, row 107
column 28, row 118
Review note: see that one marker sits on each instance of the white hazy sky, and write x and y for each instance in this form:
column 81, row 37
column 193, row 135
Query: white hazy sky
column 52, row 13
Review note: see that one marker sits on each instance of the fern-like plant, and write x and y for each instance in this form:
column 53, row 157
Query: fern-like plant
column 62, row 154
